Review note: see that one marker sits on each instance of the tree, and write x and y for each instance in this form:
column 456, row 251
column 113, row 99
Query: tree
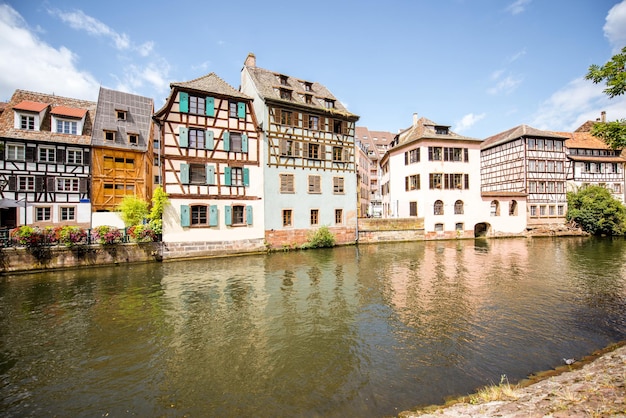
column 596, row 211
column 613, row 73
column 159, row 201
column 133, row 210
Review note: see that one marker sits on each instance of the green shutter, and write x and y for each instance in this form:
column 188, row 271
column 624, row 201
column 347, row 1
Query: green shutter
column 228, row 215
column 227, row 174
column 241, row 110
column 209, row 140
column 183, row 136
column 249, row 215
column 226, row 139
column 183, row 99
column 244, row 143
column 213, row 215
column 184, row 173
column 246, row 177
column 210, row 174
column 209, row 104
column 184, row 215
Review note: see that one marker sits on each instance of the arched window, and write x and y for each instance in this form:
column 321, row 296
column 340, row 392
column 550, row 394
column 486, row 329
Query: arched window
column 513, row 208
column 458, row 207
column 495, row 208
column 438, row 207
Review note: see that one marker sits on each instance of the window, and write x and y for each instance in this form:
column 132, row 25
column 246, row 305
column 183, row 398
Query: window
column 338, row 154
column 338, row 185
column 533, row 210
column 338, row 216
column 435, row 181
column 286, row 117
column 109, row 135
column 315, row 216
column 74, row 156
column 441, row 130
column 542, row 210
column 133, row 139
column 314, row 122
column 283, row 80
column 495, row 208
column 455, row 154
column 47, row 154
column 459, row 226
column 199, row 215
column 438, row 207
column 434, row 153
column 315, row 184
column 26, row 183
column 196, row 105
column 560, row 208
column 412, row 182
column 15, row 152
column 552, row 210
column 312, row 151
column 287, row 183
column 27, row 122
column 67, row 184
column 196, row 138
column 121, row 114
column 43, row 214
column 235, row 142
column 285, row 94
column 308, row 86
column 308, row 99
column 232, row 109
column 236, row 176
column 412, row 208
column 197, row 174
column 289, row 148
column 287, row 217
column 412, row 156
column 439, row 227
column 67, row 126
column 238, row 212
column 68, row 213
column 330, row 104
column 458, row 207
column 513, row 208
column 337, row 126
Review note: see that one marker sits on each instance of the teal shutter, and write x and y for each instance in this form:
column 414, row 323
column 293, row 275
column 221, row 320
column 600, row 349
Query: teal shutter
column 183, row 99
column 246, row 177
column 227, row 174
column 209, row 104
column 213, row 215
column 244, row 143
column 184, row 215
column 249, row 215
column 226, row 138
column 241, row 110
column 183, row 136
column 228, row 215
column 184, row 173
column 209, row 140
column 210, row 174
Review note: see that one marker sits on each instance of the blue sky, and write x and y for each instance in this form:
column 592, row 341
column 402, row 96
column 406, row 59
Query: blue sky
column 480, row 66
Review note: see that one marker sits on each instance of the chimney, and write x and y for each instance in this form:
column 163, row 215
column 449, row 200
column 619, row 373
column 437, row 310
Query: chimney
column 415, row 119
column 603, row 116
column 250, row 60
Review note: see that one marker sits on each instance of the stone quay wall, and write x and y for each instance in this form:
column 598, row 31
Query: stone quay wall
column 372, row 230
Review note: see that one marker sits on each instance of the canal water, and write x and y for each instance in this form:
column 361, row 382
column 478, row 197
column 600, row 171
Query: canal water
column 363, row 331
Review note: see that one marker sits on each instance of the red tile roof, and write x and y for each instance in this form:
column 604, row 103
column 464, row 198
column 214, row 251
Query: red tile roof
column 71, row 112
column 30, row 106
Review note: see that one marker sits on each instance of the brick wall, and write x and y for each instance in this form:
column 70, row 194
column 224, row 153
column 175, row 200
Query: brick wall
column 294, row 238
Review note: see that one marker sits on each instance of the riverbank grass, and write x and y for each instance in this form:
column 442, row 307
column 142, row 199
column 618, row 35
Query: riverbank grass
column 504, row 391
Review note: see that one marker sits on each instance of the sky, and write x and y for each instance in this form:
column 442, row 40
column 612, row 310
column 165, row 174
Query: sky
column 479, row 66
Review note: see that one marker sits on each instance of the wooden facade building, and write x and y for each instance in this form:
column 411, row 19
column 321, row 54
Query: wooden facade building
column 122, row 149
column 45, row 160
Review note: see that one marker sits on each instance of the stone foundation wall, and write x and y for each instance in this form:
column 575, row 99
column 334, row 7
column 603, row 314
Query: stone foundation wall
column 373, row 230
column 175, row 250
column 294, row 238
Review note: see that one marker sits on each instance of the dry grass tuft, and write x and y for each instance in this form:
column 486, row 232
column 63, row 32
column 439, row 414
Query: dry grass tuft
column 501, row 392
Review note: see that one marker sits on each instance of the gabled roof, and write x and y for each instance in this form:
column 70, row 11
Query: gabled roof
column 424, row 128
column 68, row 111
column 581, row 139
column 30, row 106
column 210, row 83
column 518, row 132
column 270, row 83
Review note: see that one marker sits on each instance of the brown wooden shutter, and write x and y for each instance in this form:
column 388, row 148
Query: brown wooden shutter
column 50, row 184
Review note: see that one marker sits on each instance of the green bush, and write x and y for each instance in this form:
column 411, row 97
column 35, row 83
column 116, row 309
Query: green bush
column 133, row 210
column 320, row 238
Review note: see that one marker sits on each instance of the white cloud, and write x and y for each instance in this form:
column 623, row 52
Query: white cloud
column 518, row 6
column 504, row 85
column 615, row 26
column 468, row 121
column 53, row 71
column 517, row 55
column 574, row 104
column 80, row 21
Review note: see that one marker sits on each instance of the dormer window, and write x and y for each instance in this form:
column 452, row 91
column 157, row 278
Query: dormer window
column 109, row 135
column 308, row 86
column 133, row 139
column 285, row 94
column 68, row 120
column 308, row 99
column 28, row 115
column 441, row 130
column 330, row 104
column 121, row 114
column 283, row 80
column 27, row 122
column 67, row 127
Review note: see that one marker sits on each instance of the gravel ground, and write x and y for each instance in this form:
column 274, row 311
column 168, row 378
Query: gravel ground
column 592, row 387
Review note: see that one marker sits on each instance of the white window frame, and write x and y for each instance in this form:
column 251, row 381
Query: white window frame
column 67, row 213
column 15, row 152
column 49, row 154
column 26, row 183
column 67, row 184
column 74, row 152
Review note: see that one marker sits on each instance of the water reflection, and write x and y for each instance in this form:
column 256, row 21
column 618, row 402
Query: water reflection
column 352, row 331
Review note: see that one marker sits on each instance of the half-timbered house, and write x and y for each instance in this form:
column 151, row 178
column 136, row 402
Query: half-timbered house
column 210, row 159
column 45, row 160
column 527, row 161
column 592, row 162
column 310, row 167
column 121, row 149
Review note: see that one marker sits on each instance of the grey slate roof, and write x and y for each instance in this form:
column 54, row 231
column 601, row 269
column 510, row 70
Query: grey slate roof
column 424, row 128
column 210, row 83
column 518, row 132
column 138, row 119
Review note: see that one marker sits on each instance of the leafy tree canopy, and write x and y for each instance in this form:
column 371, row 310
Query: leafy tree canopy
column 613, row 73
column 133, row 210
column 596, row 211
column 612, row 133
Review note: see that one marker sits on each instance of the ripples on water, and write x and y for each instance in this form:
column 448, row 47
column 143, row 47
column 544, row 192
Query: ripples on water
column 353, row 331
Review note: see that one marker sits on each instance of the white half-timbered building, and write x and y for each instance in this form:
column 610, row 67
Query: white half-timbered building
column 526, row 161
column 45, row 160
column 310, row 166
column 210, row 159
